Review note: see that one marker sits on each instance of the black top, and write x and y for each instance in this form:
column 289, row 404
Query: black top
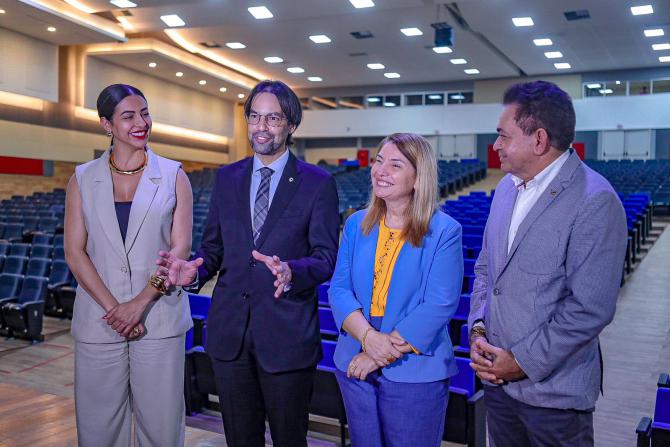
column 123, row 214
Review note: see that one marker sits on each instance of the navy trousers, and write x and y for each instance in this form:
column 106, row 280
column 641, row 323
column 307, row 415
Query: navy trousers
column 512, row 423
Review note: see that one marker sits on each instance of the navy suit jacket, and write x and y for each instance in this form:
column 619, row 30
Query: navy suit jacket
column 301, row 228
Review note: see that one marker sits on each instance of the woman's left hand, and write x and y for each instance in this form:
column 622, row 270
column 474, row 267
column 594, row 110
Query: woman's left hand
column 125, row 316
column 361, row 365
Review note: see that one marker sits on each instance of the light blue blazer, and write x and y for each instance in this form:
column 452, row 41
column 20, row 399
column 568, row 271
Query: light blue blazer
column 422, row 298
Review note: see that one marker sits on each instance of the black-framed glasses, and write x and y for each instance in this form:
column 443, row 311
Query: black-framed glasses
column 272, row 119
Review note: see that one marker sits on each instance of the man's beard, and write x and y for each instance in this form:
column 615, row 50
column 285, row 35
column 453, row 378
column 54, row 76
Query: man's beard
column 269, row 148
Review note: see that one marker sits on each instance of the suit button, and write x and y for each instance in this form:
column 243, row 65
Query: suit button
column 496, row 291
column 124, row 270
column 245, row 295
column 252, row 262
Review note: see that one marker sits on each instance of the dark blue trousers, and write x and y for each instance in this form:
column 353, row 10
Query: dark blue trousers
column 512, row 423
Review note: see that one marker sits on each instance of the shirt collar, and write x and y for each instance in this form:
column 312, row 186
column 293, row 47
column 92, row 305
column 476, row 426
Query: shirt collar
column 276, row 166
column 545, row 176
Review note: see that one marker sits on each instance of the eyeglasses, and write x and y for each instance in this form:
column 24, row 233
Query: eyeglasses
column 272, row 119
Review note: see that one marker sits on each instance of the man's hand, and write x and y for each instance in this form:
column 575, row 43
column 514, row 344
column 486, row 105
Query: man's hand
column 278, row 268
column 493, row 364
column 361, row 365
column 178, row 272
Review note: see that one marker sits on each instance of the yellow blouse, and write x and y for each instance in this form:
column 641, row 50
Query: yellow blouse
column 389, row 244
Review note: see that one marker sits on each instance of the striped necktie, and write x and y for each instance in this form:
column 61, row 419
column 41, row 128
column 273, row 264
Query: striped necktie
column 261, row 205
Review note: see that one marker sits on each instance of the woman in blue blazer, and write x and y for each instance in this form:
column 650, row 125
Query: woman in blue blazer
column 396, row 285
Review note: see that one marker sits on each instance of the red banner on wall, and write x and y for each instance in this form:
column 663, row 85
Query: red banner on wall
column 24, row 166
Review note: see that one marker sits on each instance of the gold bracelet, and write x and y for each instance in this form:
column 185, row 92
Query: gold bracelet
column 477, row 331
column 158, row 282
column 365, row 336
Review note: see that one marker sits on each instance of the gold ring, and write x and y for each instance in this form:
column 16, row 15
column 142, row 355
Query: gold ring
column 352, row 367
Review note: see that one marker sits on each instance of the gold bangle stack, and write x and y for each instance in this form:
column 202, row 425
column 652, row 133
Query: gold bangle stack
column 367, row 331
column 158, row 282
column 477, row 331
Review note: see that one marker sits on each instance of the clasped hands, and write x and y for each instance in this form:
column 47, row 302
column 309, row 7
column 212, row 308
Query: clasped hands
column 493, row 364
column 381, row 350
column 180, row 272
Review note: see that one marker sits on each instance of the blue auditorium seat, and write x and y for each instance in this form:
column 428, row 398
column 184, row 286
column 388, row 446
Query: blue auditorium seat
column 43, row 239
column 322, row 293
column 326, row 397
column 15, row 264
column 327, row 323
column 60, row 276
column 59, row 240
column 199, row 305
column 38, row 267
column 19, row 249
column 23, row 315
column 4, row 248
column 41, row 251
column 462, row 349
column 466, row 412
column 59, row 252
column 14, row 232
column 656, row 432
column 469, row 266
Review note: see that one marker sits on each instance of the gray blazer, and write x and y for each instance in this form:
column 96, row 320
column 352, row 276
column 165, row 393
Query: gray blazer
column 126, row 267
column 550, row 297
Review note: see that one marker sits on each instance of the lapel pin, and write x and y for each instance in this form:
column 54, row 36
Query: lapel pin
column 290, row 179
column 553, row 193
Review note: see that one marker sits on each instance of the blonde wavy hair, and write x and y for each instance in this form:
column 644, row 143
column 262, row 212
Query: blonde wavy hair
column 423, row 202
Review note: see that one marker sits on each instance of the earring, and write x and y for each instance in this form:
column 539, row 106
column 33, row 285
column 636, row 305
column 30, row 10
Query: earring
column 109, row 133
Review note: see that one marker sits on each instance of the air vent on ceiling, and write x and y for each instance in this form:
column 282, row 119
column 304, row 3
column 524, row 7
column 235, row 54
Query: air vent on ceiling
column 362, row 34
column 577, row 15
column 210, row 44
column 357, row 54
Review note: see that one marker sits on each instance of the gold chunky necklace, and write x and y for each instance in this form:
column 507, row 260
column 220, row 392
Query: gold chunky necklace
column 114, row 168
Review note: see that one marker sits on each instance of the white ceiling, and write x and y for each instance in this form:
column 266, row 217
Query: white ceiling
column 611, row 39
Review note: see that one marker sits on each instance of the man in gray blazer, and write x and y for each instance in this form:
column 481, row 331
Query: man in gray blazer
column 547, row 277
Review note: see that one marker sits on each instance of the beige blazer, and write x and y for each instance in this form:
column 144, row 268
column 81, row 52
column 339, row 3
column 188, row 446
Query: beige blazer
column 126, row 268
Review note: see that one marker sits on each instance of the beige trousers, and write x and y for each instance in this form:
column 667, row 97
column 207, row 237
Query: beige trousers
column 118, row 382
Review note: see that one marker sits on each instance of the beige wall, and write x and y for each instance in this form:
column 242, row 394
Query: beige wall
column 331, row 155
column 491, row 92
column 50, row 143
column 169, row 103
column 28, row 66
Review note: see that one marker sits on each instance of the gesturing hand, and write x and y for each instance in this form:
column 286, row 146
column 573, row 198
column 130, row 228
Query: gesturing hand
column 361, row 365
column 278, row 268
column 178, row 272
column 381, row 347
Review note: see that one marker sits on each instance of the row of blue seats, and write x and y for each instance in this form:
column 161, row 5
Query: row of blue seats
column 34, row 250
column 655, row 432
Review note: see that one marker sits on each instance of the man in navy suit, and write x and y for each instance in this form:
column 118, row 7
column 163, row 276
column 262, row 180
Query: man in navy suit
column 271, row 236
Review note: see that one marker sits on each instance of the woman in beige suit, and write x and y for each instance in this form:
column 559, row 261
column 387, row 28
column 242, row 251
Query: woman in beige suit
column 122, row 209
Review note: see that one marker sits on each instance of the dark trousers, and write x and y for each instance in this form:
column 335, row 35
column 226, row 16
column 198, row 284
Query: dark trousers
column 512, row 423
column 247, row 394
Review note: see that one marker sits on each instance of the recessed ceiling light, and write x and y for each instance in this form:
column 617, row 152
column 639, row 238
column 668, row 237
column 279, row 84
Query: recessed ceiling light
column 663, row 59
column 434, row 97
column 273, row 60
column 172, row 20
column 223, row 90
column 202, row 82
column 389, row 104
column 320, row 38
column 362, row 3
column 442, row 50
column 654, row 32
column 2, row 11
column 179, row 74
column 593, row 85
column 314, row 79
column 240, row 95
column 152, row 64
column 235, row 45
column 522, row 21
column 458, row 61
column 471, row 71
column 617, row 82
column 51, row 29
column 661, row 46
column 260, row 12
column 457, row 96
column 410, row 32
column 123, row 3
column 553, row 54
column 641, row 10
column 562, row 65
column 542, row 42
column 605, row 91
column 392, row 75
column 295, row 70
column 374, row 99
column 376, row 66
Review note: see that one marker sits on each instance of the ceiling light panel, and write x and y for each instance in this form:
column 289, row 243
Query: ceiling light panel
column 562, row 66
column 376, row 66
column 314, row 79
column 471, row 71
column 295, row 70
column 458, row 61
column 51, row 29
column 654, row 32
column 553, row 54
column 392, row 75
column 202, row 82
column 661, row 46
column 173, row 20
column 260, row 12
column 152, row 64
column 362, row 3
column 123, row 4
column 235, row 45
column 641, row 10
column 273, row 60
column 664, row 59
column 542, row 42
column 223, row 90
column 411, row 32
column 240, row 95
column 179, row 74
column 605, row 91
column 320, row 38
column 442, row 50
column 523, row 21
column 593, row 85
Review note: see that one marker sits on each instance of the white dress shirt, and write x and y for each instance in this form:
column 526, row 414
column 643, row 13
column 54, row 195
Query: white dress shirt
column 530, row 192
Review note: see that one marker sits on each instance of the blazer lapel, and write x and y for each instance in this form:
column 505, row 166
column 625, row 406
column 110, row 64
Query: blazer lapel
column 243, row 184
column 288, row 185
column 501, row 233
column 143, row 198
column 409, row 258
column 364, row 255
column 104, row 204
